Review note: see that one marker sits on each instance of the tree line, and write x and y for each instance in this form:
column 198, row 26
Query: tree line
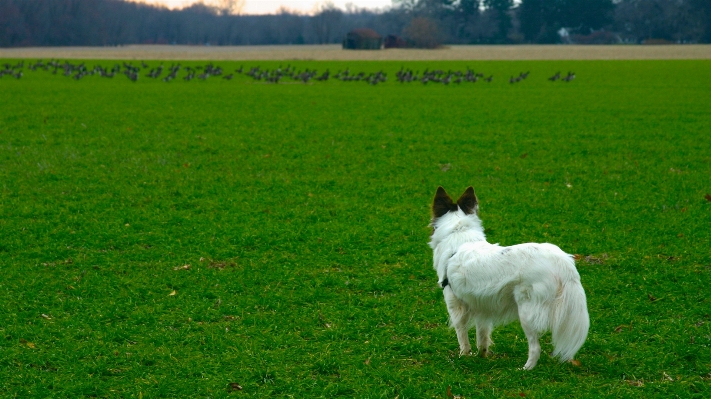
column 421, row 23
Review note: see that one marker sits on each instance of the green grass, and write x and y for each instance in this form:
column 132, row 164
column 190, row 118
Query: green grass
column 302, row 211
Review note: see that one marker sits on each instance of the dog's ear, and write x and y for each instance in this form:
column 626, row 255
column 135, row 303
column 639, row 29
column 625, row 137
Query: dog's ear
column 442, row 203
column 468, row 202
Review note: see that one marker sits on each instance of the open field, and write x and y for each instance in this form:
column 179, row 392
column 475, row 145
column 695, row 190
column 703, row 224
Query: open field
column 334, row 52
column 242, row 239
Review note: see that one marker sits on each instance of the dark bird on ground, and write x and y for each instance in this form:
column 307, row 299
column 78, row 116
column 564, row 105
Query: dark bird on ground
column 324, row 77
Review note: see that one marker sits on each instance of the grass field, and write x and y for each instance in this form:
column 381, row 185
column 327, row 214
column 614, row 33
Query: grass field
column 243, row 239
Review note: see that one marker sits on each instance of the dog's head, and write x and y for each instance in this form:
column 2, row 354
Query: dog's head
column 449, row 216
column 443, row 204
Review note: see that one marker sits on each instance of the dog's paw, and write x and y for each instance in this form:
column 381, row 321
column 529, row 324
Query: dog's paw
column 467, row 352
column 528, row 366
column 484, row 353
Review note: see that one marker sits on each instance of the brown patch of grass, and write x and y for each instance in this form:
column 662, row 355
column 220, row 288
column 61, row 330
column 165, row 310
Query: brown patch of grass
column 336, row 53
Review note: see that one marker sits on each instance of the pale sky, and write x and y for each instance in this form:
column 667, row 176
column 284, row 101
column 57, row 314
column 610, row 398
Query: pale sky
column 271, row 6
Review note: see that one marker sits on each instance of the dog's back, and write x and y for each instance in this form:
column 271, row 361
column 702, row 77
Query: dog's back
column 494, row 279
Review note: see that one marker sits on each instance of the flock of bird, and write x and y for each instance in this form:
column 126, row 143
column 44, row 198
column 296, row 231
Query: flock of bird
column 440, row 76
column 13, row 70
column 279, row 74
column 567, row 78
column 167, row 74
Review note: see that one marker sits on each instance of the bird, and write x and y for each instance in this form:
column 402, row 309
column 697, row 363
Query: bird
column 324, row 77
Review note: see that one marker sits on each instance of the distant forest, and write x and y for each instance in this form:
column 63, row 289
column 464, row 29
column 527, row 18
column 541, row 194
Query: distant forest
column 419, row 23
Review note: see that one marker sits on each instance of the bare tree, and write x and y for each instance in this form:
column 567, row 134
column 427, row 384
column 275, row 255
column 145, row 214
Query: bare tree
column 423, row 33
column 501, row 8
column 406, row 5
column 642, row 20
column 326, row 21
column 228, row 7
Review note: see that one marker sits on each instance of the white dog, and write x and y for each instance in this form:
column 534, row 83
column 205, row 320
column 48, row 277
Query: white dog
column 486, row 285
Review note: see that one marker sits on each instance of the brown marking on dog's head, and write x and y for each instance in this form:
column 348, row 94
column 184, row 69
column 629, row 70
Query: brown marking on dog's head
column 468, row 201
column 442, row 203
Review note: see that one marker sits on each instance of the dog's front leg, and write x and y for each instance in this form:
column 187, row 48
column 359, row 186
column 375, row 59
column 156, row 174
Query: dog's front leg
column 459, row 319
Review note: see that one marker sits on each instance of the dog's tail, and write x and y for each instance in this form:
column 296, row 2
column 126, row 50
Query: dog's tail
column 571, row 321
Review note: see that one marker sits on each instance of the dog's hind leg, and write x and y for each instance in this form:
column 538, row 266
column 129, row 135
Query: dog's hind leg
column 526, row 316
column 459, row 319
column 483, row 337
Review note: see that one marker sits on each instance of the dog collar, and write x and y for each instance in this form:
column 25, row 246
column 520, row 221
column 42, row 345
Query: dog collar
column 445, row 282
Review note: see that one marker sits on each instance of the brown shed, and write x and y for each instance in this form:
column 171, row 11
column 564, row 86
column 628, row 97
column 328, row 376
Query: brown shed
column 363, row 39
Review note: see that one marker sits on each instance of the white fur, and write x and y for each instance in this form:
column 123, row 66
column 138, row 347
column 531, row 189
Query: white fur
column 490, row 285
